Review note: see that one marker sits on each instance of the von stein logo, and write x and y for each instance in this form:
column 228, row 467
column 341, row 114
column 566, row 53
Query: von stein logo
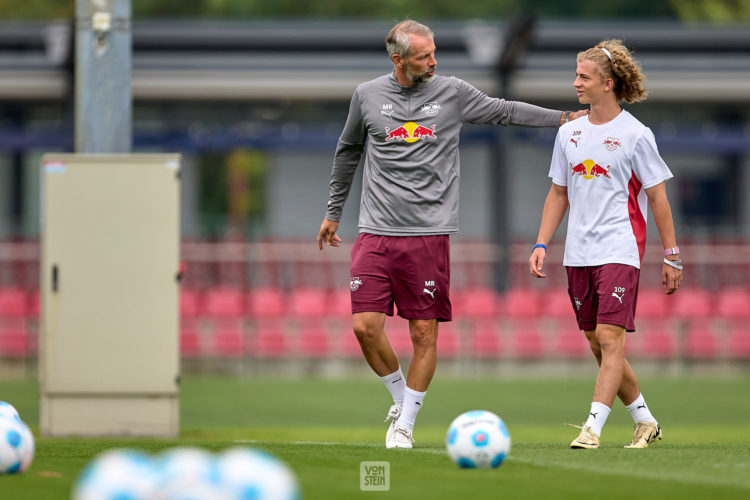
column 410, row 132
column 589, row 169
column 374, row 476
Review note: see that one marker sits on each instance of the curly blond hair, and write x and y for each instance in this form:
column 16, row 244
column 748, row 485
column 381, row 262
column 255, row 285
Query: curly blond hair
column 622, row 68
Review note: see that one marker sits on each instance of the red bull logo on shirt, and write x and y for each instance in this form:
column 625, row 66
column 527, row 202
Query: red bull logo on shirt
column 589, row 169
column 410, row 132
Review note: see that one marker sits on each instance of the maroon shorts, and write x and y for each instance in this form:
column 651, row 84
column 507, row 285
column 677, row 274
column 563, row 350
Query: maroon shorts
column 411, row 271
column 604, row 294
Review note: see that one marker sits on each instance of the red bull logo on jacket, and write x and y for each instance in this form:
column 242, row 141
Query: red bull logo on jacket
column 589, row 169
column 410, row 132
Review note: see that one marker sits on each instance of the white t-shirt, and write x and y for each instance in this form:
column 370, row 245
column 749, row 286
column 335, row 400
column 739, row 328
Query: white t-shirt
column 606, row 169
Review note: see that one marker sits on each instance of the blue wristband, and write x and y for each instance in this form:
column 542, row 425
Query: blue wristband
column 539, row 245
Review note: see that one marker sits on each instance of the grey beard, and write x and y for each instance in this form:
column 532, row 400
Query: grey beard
column 414, row 78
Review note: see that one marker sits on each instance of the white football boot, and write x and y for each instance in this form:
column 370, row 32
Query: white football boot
column 393, row 413
column 401, row 438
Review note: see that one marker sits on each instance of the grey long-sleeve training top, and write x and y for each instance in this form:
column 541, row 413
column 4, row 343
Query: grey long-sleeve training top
column 411, row 166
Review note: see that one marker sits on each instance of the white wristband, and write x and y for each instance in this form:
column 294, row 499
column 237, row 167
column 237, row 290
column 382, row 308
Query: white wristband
column 675, row 264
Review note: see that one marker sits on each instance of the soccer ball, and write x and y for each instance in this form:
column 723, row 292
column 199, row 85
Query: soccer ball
column 7, row 410
column 116, row 474
column 187, row 473
column 16, row 446
column 478, row 440
column 247, row 473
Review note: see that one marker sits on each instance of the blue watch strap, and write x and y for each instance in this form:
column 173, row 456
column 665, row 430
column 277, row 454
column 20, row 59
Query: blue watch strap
column 539, row 245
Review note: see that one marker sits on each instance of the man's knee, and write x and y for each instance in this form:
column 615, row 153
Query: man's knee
column 367, row 329
column 423, row 333
column 610, row 338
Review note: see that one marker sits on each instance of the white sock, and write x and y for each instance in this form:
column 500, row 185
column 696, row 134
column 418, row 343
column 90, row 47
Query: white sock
column 412, row 405
column 395, row 383
column 639, row 411
column 597, row 417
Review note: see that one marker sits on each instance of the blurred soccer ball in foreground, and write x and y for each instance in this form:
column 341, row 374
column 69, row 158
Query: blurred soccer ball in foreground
column 7, row 410
column 247, row 473
column 478, row 439
column 116, row 474
column 16, row 446
column 187, row 473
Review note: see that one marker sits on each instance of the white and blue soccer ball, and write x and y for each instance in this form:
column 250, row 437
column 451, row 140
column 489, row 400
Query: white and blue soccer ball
column 478, row 440
column 117, row 474
column 252, row 474
column 187, row 473
column 16, row 446
column 7, row 410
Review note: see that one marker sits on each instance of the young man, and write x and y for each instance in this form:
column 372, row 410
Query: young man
column 410, row 120
column 606, row 168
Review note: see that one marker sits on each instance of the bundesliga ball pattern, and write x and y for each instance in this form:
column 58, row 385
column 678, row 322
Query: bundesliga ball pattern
column 254, row 474
column 478, row 439
column 16, row 446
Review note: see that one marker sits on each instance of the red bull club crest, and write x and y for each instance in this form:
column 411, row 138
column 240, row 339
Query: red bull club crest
column 410, row 132
column 589, row 169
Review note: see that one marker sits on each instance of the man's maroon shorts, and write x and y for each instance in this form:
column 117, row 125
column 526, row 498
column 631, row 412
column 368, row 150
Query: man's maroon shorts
column 411, row 271
column 604, row 294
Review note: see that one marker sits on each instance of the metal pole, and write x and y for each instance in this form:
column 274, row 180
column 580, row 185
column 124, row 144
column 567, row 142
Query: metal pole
column 102, row 73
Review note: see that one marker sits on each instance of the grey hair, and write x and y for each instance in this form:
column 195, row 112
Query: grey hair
column 398, row 42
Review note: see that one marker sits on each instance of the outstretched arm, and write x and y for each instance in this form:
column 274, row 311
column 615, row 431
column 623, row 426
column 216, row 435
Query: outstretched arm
column 671, row 277
column 554, row 210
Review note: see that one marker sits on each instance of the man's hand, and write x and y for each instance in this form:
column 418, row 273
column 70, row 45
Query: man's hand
column 536, row 262
column 671, row 278
column 568, row 116
column 578, row 114
column 328, row 234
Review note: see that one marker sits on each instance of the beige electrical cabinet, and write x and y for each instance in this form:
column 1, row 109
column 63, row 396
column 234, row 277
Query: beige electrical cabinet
column 109, row 358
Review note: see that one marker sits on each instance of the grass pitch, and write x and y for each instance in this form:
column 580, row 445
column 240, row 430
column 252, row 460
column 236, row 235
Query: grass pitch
column 325, row 428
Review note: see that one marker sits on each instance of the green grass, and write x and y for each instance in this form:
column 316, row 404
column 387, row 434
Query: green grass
column 325, row 428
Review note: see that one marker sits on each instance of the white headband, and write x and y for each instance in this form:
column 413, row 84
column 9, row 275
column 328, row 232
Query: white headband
column 607, row 52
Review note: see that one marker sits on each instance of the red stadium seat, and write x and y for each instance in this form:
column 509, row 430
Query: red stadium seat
column 189, row 302
column 700, row 340
column 528, row 342
column 340, row 303
column 270, row 342
column 266, row 303
column 228, row 342
column 14, row 339
column 475, row 303
column 692, row 303
column 448, row 343
column 485, row 339
column 556, row 304
column 350, row 345
column 657, row 340
column 13, row 303
column 733, row 302
column 308, row 302
column 35, row 305
column 653, row 303
column 314, row 342
column 522, row 303
column 190, row 344
column 397, row 329
column 223, row 303
column 570, row 342
column 738, row 340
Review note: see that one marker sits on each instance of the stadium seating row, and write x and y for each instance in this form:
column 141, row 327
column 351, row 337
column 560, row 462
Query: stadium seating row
column 488, row 339
column 729, row 302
